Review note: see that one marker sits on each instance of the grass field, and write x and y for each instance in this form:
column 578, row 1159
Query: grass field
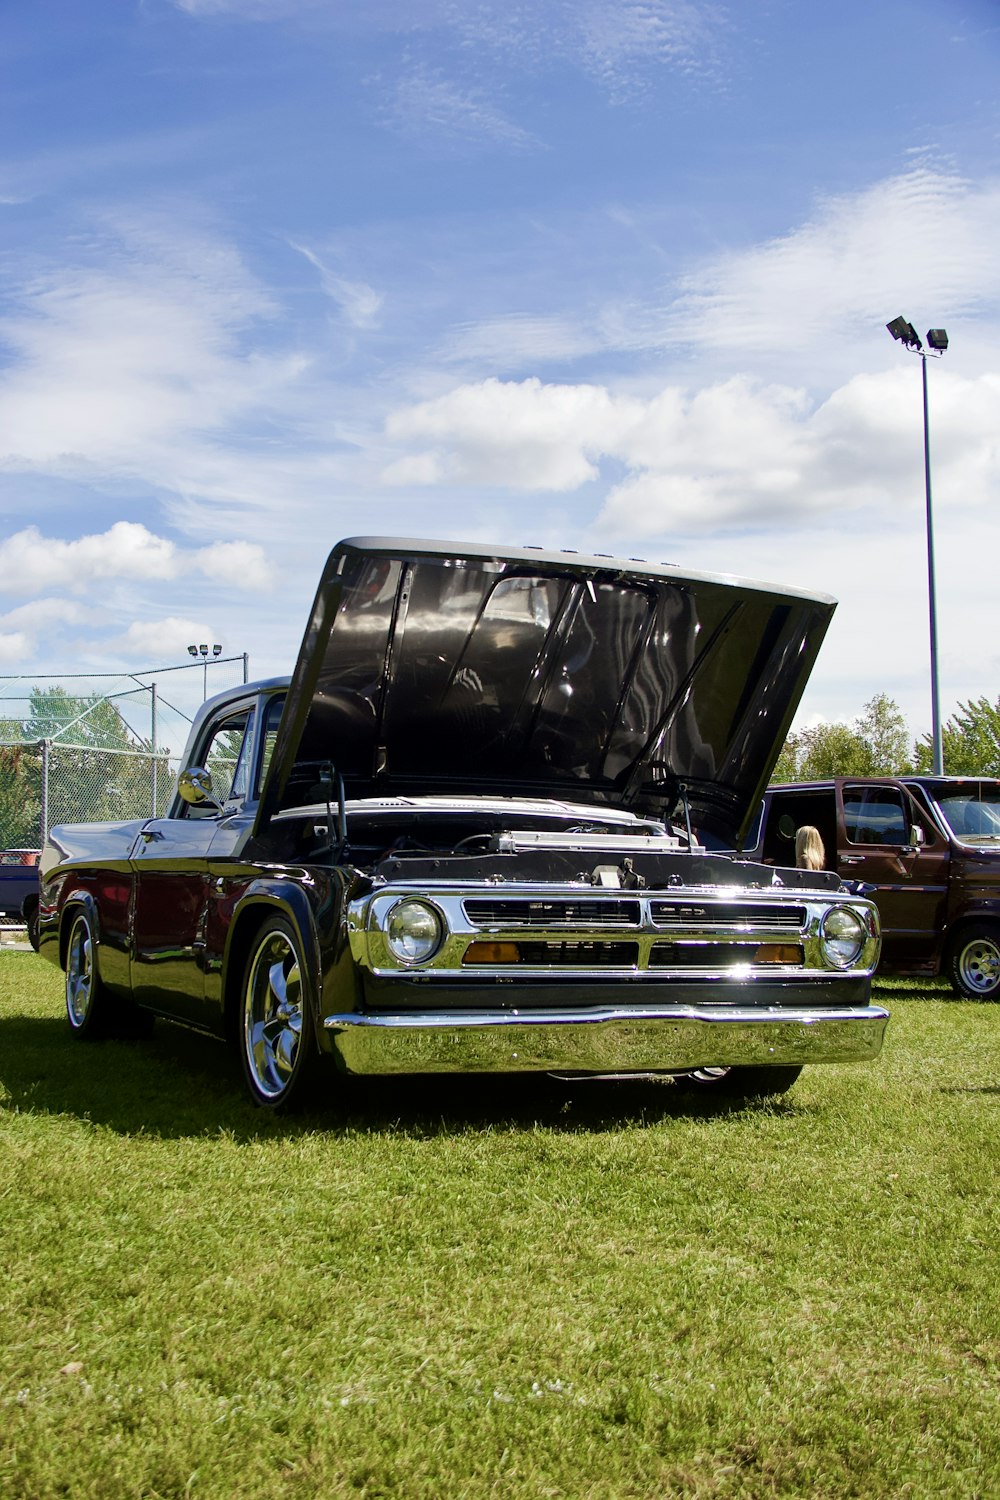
column 496, row 1288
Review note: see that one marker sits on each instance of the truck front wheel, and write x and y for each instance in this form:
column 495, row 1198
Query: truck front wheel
column 974, row 962
column 277, row 1044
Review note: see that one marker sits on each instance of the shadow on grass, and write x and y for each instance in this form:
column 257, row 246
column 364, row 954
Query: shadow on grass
column 938, row 991
column 177, row 1084
column 972, row 1088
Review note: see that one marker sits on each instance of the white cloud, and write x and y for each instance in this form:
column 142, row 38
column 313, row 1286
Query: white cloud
column 737, row 453
column 621, row 42
column 30, row 561
column 425, row 100
column 359, row 302
column 520, row 339
column 160, row 640
column 52, row 610
column 14, row 645
column 925, row 237
column 238, row 564
column 517, row 435
column 125, row 361
column 808, row 308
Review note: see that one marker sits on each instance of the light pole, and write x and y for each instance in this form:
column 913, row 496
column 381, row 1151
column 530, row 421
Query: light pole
column 202, row 651
column 937, row 341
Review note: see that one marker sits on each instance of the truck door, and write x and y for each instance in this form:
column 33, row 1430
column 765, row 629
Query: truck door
column 876, row 843
column 170, row 875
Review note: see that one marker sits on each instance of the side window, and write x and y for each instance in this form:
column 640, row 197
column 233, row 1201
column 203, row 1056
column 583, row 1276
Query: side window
column 875, row 815
column 272, row 717
column 227, row 757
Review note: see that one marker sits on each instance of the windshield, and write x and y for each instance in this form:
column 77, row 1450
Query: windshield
column 972, row 810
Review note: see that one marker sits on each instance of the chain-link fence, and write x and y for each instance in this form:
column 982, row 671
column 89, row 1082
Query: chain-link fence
column 78, row 749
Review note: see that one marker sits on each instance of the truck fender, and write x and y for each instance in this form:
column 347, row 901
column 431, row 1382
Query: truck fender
column 261, row 899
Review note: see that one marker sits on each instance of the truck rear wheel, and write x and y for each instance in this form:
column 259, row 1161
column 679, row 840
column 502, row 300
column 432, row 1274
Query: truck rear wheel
column 974, row 962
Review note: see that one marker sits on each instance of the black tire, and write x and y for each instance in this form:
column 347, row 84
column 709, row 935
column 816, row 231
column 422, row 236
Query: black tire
column 973, row 964
column 741, row 1083
column 89, row 1008
column 276, row 1037
column 30, row 915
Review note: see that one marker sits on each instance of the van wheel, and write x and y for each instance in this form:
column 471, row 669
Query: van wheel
column 974, row 962
column 741, row 1083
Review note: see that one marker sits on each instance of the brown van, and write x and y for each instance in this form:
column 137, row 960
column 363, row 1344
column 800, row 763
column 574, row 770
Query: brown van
column 930, row 848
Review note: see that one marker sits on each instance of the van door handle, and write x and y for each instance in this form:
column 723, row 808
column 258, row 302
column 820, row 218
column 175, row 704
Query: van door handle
column 851, row 859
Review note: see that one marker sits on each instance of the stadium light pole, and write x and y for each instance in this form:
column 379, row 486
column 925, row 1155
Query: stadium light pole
column 202, row 651
column 937, row 341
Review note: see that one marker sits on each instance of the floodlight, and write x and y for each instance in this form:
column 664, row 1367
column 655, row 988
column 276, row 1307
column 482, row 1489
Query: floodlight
column 216, row 650
column 192, row 651
column 905, row 333
column 937, row 338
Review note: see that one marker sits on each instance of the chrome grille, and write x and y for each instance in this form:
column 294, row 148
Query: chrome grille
column 580, row 955
column 694, row 915
column 529, row 912
column 718, row 955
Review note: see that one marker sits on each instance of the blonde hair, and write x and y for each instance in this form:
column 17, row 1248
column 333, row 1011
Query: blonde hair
column 809, row 851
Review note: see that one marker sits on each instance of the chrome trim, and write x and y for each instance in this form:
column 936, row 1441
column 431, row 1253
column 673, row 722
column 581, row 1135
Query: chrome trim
column 602, row 1039
column 366, row 919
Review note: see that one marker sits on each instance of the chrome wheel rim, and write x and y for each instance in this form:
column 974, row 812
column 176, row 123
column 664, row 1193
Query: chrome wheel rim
column 272, row 1015
column 79, row 973
column 979, row 966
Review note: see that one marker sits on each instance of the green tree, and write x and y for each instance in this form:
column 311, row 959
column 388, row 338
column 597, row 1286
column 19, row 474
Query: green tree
column 970, row 741
column 20, row 806
column 874, row 745
column 883, row 729
column 98, row 768
column 832, row 750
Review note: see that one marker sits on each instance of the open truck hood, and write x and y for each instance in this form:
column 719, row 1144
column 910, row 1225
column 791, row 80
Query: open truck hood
column 447, row 668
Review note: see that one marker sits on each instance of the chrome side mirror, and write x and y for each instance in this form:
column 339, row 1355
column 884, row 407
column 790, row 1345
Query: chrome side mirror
column 916, row 835
column 195, row 787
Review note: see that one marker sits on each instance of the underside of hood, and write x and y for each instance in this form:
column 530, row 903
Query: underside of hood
column 433, row 667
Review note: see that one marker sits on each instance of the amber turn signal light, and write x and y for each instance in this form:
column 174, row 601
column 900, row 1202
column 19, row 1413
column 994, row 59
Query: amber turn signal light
column 492, row 953
column 778, row 953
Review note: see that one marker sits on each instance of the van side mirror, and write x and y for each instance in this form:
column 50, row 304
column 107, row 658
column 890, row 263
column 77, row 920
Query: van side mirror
column 916, row 836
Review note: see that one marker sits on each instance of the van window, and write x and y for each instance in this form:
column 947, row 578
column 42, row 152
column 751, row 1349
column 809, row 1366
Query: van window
column 789, row 809
column 874, row 815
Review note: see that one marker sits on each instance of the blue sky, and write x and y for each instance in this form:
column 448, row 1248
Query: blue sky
column 596, row 274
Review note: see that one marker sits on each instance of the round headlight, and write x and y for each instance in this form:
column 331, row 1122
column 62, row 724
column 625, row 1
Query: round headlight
column 413, row 931
column 842, row 936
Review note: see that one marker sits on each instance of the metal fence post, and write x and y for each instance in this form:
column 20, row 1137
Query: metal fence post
column 43, row 812
column 152, row 742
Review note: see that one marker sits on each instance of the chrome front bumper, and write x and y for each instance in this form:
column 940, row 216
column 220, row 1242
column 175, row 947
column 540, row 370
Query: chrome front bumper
column 604, row 1039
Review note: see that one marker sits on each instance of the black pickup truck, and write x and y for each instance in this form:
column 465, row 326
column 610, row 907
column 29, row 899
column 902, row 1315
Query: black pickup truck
column 19, row 887
column 460, row 838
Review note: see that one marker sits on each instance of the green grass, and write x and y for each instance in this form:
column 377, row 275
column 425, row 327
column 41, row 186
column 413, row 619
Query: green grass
column 496, row 1288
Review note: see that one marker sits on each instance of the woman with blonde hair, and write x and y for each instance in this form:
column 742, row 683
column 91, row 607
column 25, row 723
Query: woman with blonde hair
column 809, row 851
